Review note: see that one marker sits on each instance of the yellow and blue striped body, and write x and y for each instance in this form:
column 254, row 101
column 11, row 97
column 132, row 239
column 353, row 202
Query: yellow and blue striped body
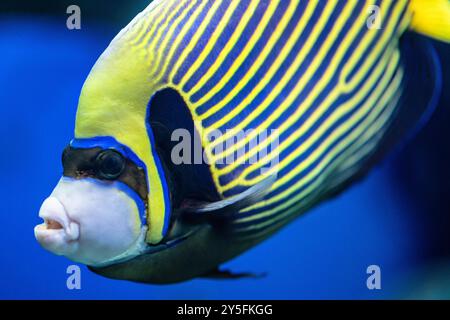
column 311, row 71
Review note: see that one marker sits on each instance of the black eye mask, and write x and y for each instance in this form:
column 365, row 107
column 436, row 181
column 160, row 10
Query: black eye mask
column 104, row 164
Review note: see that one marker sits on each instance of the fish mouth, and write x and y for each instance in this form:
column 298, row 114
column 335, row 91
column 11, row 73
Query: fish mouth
column 58, row 233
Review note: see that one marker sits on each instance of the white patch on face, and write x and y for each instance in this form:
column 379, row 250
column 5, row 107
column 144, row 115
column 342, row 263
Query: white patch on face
column 89, row 221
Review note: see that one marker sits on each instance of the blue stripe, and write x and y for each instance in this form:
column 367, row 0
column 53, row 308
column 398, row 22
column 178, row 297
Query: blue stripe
column 260, row 73
column 186, row 40
column 111, row 143
column 297, row 178
column 202, row 41
column 161, row 23
column 133, row 195
column 233, row 54
column 162, row 178
column 243, row 70
column 106, row 142
column 156, row 5
column 219, row 46
column 176, row 32
column 278, row 122
column 122, row 187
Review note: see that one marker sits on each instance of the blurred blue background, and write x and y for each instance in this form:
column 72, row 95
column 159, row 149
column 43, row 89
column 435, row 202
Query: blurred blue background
column 397, row 218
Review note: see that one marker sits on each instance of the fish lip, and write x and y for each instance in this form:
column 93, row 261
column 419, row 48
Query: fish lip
column 69, row 234
column 69, row 227
column 41, row 232
column 55, row 240
column 52, row 215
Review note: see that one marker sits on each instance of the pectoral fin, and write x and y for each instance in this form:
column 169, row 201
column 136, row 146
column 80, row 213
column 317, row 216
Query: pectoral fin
column 228, row 207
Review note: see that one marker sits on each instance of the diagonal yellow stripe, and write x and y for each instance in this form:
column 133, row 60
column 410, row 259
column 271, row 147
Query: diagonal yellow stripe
column 262, row 25
column 258, row 62
column 330, row 99
column 361, row 130
column 212, row 41
column 242, row 25
column 170, row 29
column 306, row 77
column 380, row 126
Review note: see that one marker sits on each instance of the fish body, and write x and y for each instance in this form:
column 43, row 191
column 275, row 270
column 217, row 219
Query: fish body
column 317, row 88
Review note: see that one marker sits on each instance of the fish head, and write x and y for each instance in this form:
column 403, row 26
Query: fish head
column 97, row 215
column 93, row 216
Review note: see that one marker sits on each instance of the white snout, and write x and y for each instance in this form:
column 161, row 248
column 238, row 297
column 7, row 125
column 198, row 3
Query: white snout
column 89, row 221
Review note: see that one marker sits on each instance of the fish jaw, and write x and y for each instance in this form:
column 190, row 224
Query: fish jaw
column 58, row 233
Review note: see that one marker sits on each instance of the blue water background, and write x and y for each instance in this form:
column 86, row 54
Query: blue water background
column 321, row 255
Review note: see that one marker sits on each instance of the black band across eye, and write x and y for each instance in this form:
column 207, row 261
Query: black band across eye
column 109, row 164
column 104, row 164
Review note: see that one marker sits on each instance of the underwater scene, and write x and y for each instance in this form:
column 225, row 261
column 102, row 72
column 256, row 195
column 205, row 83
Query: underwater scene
column 349, row 199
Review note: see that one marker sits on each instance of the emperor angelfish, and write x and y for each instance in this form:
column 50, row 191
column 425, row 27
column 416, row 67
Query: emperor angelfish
column 321, row 89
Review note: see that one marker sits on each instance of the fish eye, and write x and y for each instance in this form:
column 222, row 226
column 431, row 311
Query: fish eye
column 110, row 164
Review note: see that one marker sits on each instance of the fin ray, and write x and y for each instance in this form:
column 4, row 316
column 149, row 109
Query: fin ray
column 230, row 206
